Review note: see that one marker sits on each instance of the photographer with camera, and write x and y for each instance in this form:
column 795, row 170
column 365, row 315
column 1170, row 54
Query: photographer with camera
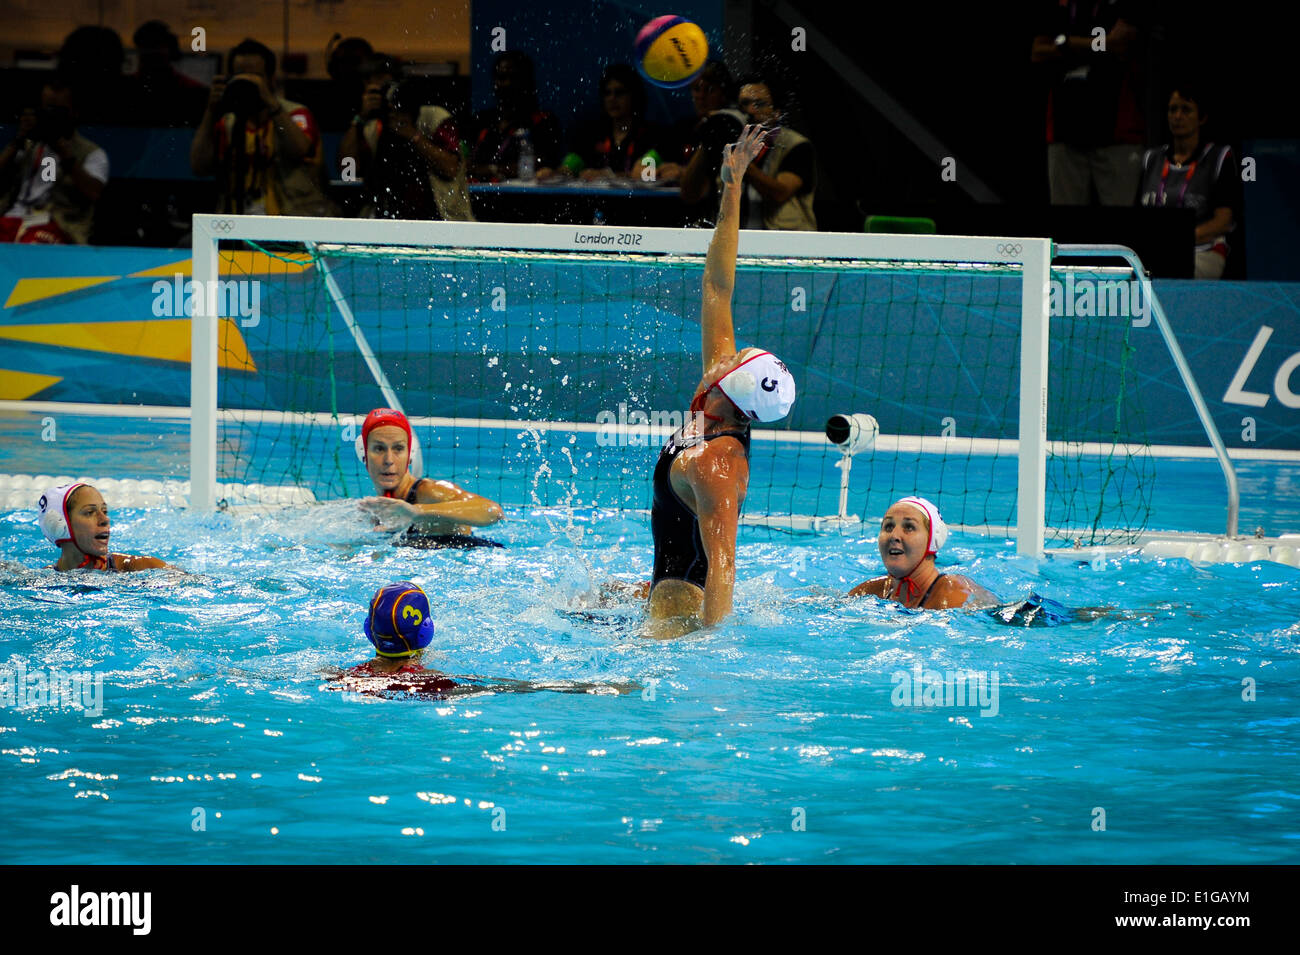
column 264, row 150
column 50, row 175
column 405, row 150
column 782, row 181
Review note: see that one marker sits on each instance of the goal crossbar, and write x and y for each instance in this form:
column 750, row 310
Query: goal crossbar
column 1030, row 257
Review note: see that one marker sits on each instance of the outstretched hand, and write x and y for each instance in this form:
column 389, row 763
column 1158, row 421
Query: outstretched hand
column 737, row 156
column 389, row 513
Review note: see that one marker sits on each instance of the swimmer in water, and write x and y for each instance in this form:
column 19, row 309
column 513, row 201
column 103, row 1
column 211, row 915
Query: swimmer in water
column 702, row 473
column 74, row 518
column 399, row 624
column 434, row 513
column 911, row 534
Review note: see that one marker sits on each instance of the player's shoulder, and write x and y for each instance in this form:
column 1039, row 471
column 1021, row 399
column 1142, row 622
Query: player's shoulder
column 433, row 491
column 958, row 590
column 132, row 562
column 875, row 587
column 721, row 450
column 717, row 471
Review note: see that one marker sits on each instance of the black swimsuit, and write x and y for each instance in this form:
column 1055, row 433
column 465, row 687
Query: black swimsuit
column 679, row 551
column 413, row 538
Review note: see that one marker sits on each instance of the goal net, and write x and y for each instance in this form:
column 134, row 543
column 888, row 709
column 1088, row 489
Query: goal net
column 543, row 366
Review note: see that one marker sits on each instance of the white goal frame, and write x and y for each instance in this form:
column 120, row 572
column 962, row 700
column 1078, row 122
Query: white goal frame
column 1033, row 257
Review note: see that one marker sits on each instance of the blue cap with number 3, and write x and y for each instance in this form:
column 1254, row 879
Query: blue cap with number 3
column 399, row 623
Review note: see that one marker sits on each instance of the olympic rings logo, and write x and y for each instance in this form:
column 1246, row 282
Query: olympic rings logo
column 221, row 225
column 1010, row 248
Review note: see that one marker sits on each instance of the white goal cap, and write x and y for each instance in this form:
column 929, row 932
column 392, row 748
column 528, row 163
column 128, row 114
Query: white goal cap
column 761, row 386
column 938, row 529
column 52, row 512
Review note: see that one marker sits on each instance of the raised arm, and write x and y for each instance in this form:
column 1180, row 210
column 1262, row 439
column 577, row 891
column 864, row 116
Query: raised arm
column 718, row 335
column 719, row 478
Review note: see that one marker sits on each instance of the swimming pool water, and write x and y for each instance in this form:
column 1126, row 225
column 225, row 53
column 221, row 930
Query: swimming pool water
column 774, row 737
column 525, row 468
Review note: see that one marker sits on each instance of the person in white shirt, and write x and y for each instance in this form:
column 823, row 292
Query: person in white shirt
column 51, row 175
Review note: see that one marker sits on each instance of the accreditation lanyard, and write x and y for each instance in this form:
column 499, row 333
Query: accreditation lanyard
column 1164, row 173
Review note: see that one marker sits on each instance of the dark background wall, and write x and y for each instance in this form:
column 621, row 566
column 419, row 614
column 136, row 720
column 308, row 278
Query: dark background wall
column 961, row 70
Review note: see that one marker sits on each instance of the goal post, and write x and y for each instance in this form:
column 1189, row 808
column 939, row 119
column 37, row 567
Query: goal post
column 408, row 289
column 1035, row 327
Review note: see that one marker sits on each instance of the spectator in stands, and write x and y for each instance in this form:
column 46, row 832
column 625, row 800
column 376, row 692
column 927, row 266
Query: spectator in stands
column 1095, row 127
column 1193, row 172
column 614, row 145
column 496, row 134
column 406, row 150
column 160, row 95
column 696, row 157
column 90, row 61
column 50, row 175
column 782, row 179
column 264, row 150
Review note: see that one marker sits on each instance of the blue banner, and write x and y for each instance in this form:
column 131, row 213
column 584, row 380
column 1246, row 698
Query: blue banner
column 921, row 351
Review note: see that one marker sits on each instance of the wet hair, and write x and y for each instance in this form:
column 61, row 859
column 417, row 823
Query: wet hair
column 629, row 77
column 251, row 47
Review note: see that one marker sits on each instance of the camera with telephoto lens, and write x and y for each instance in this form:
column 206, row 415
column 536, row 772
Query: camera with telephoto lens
column 241, row 97
column 402, row 96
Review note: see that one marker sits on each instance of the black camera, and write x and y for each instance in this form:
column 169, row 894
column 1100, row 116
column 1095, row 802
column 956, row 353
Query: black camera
column 402, row 96
column 242, row 97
